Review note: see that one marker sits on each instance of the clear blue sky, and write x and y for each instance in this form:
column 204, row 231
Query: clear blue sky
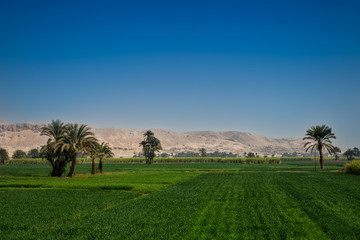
column 272, row 68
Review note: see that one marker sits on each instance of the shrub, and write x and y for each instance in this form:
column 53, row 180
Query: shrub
column 18, row 154
column 353, row 167
column 3, row 155
column 33, row 153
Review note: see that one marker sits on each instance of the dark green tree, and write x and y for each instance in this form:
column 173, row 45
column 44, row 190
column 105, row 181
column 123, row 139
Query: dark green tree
column 164, row 155
column 356, row 152
column 18, row 154
column 318, row 138
column 349, row 154
column 33, row 153
column 150, row 145
column 202, row 152
column 336, row 151
column 250, row 155
column 4, row 155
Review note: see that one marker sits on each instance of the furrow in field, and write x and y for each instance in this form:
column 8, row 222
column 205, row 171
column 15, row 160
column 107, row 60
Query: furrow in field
column 243, row 205
column 326, row 202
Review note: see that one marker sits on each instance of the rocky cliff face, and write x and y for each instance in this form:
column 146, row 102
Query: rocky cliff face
column 125, row 142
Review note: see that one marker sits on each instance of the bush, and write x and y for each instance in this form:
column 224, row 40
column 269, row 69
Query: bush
column 3, row 155
column 33, row 153
column 18, row 154
column 353, row 167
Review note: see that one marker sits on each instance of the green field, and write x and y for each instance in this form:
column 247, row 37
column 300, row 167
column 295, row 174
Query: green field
column 181, row 201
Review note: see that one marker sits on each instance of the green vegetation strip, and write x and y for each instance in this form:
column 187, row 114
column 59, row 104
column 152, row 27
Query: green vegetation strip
column 143, row 182
column 162, row 160
column 257, row 160
column 85, row 169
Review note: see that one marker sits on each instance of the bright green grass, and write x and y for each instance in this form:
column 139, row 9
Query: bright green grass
column 44, row 170
column 230, row 206
column 37, row 210
column 184, row 201
column 139, row 181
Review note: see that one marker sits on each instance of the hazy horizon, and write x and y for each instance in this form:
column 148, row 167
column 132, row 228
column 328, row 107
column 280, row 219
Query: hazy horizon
column 179, row 131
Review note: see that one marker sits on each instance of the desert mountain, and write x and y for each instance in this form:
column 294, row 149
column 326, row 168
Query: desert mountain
column 125, row 142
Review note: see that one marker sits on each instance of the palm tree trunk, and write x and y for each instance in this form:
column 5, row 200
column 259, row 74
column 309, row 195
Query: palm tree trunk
column 321, row 159
column 147, row 156
column 93, row 166
column 100, row 166
column 72, row 168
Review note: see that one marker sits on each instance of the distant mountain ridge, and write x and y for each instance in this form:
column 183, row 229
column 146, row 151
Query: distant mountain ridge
column 125, row 142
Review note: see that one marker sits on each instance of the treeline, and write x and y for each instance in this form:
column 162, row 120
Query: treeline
column 350, row 154
column 184, row 160
column 18, row 154
column 215, row 154
column 162, row 160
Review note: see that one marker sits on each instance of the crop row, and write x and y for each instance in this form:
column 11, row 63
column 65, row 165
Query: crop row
column 227, row 206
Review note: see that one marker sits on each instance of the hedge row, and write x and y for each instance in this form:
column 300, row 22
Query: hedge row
column 182, row 160
column 197, row 160
column 306, row 159
column 160, row 160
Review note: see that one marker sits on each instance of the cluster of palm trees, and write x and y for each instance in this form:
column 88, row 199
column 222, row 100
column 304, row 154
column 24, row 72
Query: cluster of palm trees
column 150, row 145
column 66, row 141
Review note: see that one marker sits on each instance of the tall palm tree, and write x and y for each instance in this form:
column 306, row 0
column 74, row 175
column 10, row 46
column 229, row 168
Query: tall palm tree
column 318, row 139
column 76, row 138
column 150, row 145
column 148, row 134
column 92, row 151
column 58, row 160
column 336, row 151
column 103, row 151
column 55, row 130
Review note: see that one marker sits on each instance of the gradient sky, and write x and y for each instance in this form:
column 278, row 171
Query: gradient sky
column 272, row 68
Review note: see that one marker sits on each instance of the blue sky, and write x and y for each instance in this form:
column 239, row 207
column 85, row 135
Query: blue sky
column 272, row 68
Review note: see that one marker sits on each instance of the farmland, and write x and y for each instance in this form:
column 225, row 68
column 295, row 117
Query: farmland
column 181, row 201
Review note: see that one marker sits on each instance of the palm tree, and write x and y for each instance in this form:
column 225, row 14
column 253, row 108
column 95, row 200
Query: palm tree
column 150, row 145
column 4, row 155
column 76, row 138
column 92, row 151
column 336, row 151
column 55, row 130
column 103, row 151
column 349, row 154
column 319, row 139
column 58, row 160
